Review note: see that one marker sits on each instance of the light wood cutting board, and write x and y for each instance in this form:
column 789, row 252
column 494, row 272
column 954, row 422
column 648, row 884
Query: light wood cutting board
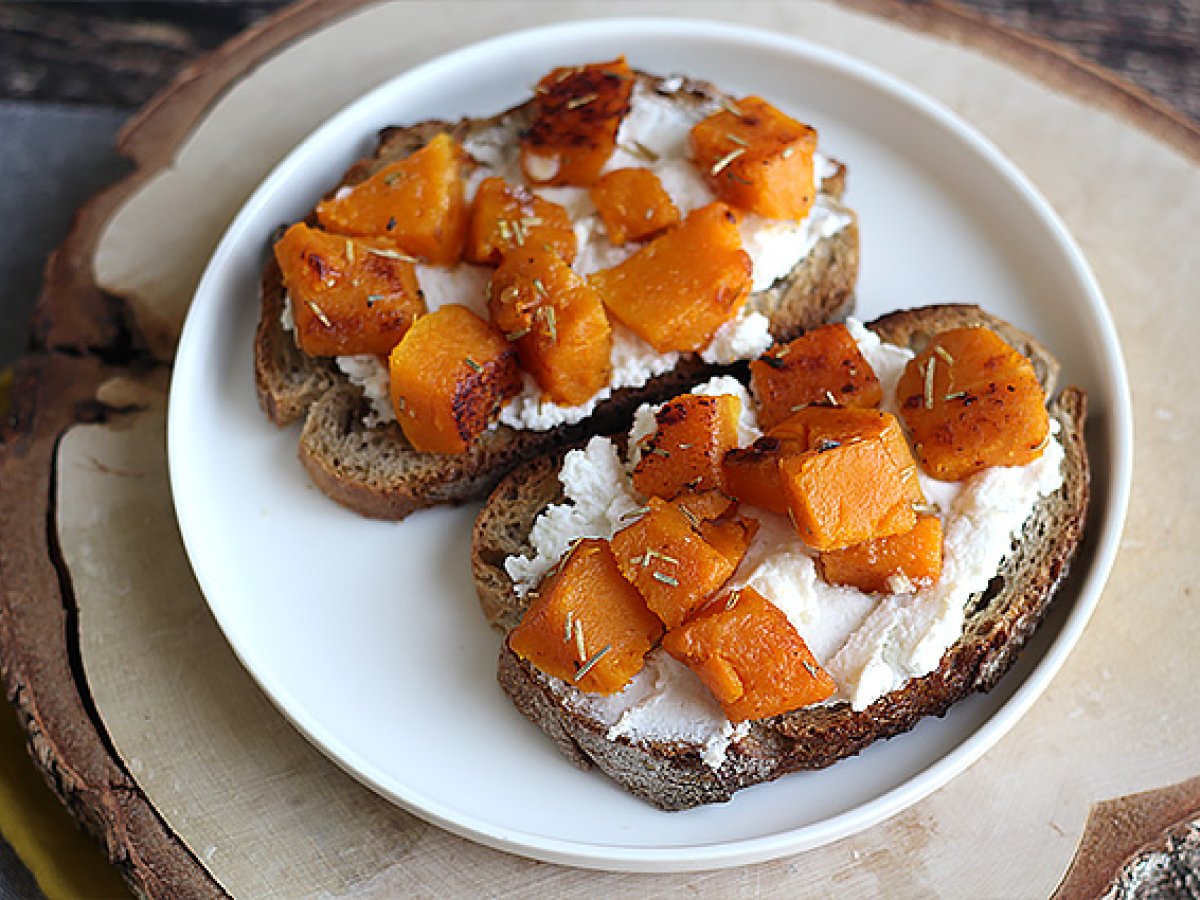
column 160, row 742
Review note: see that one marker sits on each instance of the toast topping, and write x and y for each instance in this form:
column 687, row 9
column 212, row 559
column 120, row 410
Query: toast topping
column 416, row 205
column 449, row 376
column 676, row 291
column 758, row 159
column 587, row 625
column 556, row 321
column 971, row 401
column 350, row 296
column 577, row 111
column 692, row 436
column 867, row 610
column 627, row 137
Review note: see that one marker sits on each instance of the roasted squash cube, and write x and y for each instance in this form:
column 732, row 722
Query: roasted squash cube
column 731, row 535
column 685, row 451
column 587, row 625
column 700, row 506
column 577, row 112
column 899, row 562
column 416, row 205
column 757, row 158
column 846, row 494
column 348, row 296
column 633, row 205
column 450, row 375
column 819, row 427
column 822, row 366
column 677, row 290
column 671, row 564
column 556, row 321
column 750, row 657
column 971, row 401
column 505, row 217
column 751, row 474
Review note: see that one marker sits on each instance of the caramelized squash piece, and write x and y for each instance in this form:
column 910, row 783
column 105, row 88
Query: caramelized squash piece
column 671, row 564
column 450, row 375
column 633, row 205
column 416, row 204
column 677, row 290
column 758, row 159
column 730, row 535
column 910, row 560
column 587, row 625
column 577, row 111
column 971, row 401
column 822, row 366
column 752, row 474
column 348, row 296
column 556, row 322
column 819, row 427
column 750, row 657
column 505, row 217
column 694, row 433
column 700, row 506
column 846, row 494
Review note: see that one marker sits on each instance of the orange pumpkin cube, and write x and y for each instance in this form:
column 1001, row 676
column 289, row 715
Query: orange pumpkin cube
column 912, row 558
column 750, row 657
column 556, row 321
column 730, row 535
column 818, row 427
column 577, row 111
column 700, row 506
column 416, row 205
column 822, row 366
column 971, row 401
column 677, row 290
column 751, row 474
column 450, row 375
column 633, row 205
column 671, row 564
column 587, row 625
column 846, row 494
column 757, row 158
column 505, row 217
column 348, row 296
column 694, row 433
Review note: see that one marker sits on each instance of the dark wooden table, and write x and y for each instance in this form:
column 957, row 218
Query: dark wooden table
column 72, row 72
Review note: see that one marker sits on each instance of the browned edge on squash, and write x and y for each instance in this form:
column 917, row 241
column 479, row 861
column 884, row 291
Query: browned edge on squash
column 82, row 337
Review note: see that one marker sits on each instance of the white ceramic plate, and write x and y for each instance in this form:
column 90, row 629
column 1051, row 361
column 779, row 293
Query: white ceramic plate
column 367, row 635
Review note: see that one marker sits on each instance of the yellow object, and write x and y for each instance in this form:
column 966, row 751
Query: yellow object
column 64, row 860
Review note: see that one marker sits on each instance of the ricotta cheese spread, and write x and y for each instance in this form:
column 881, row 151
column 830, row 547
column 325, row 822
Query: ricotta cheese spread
column 654, row 135
column 870, row 644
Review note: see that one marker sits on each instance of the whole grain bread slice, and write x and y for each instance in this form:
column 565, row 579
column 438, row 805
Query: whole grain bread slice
column 375, row 471
column 998, row 621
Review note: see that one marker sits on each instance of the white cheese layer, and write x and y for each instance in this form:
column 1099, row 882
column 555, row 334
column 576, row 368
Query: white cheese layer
column 660, row 125
column 870, row 644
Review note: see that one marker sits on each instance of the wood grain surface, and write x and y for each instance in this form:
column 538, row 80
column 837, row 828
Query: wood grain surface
column 83, row 337
column 122, row 53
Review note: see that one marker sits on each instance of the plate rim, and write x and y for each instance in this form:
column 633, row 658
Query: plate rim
column 1106, row 525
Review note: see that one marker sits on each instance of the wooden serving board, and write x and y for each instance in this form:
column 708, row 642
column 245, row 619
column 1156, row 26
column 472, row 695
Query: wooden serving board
column 160, row 743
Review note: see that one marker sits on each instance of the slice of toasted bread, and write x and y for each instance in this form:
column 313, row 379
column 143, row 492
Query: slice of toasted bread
column 998, row 621
column 375, row 471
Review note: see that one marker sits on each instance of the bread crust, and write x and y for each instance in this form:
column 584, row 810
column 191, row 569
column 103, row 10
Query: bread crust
column 376, row 472
column 998, row 623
